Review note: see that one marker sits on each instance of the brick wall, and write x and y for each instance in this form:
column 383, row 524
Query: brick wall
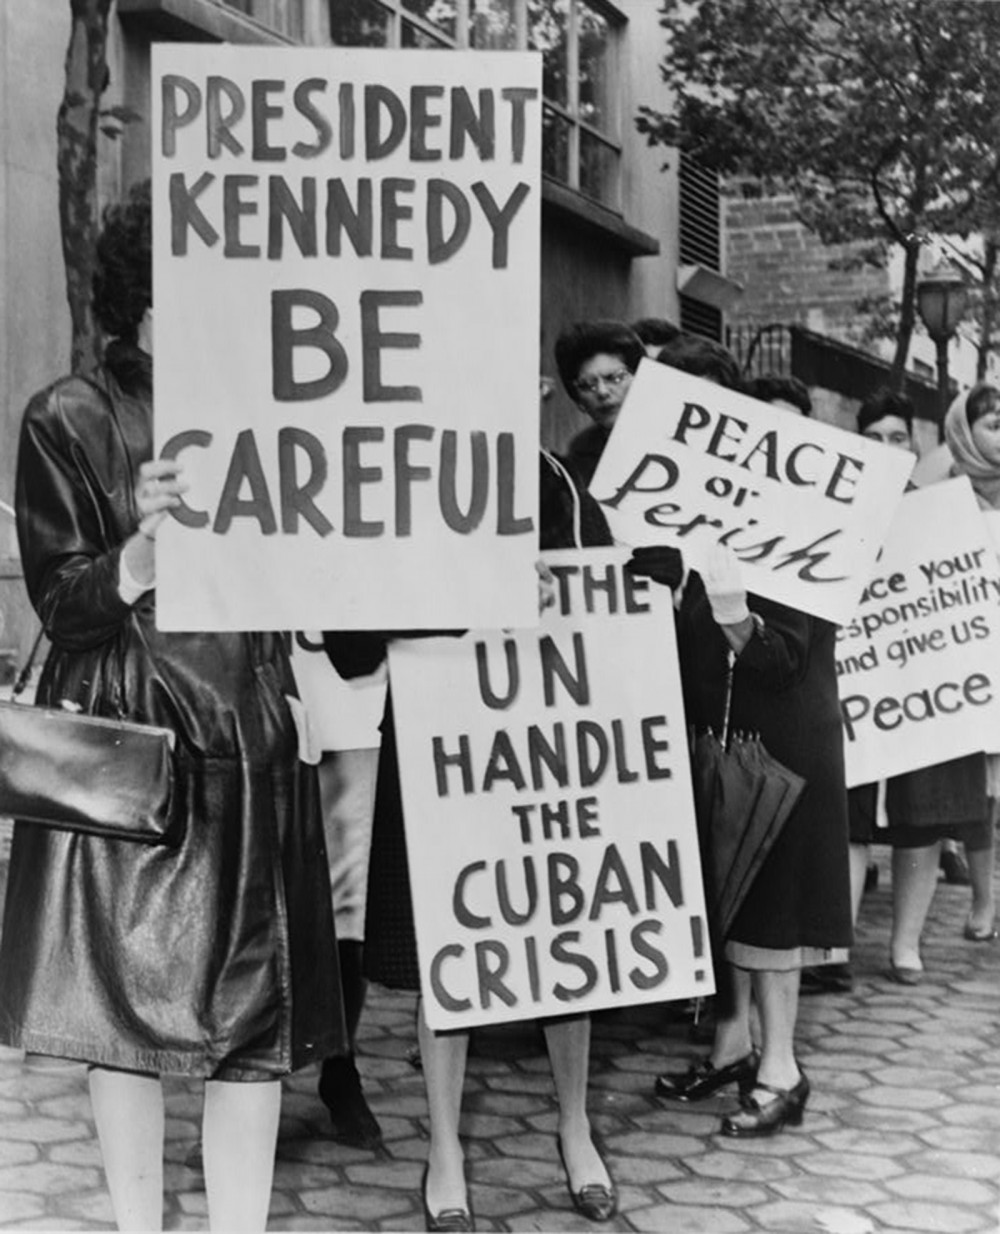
column 785, row 272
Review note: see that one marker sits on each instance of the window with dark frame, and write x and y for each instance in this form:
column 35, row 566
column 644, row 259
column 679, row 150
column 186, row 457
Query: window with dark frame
column 580, row 45
column 285, row 16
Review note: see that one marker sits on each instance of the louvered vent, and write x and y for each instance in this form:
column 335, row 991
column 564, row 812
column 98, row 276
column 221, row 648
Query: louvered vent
column 698, row 318
column 701, row 244
column 700, row 241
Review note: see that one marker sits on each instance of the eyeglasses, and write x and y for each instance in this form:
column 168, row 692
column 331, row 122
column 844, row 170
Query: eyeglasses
column 589, row 385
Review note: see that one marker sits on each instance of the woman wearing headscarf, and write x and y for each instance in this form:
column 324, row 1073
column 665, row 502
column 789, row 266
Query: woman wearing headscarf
column 972, row 434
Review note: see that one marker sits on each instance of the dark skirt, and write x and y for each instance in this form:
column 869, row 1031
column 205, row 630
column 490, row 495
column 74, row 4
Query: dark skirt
column 390, row 935
column 946, row 801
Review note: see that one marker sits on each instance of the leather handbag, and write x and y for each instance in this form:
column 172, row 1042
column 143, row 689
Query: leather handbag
column 97, row 775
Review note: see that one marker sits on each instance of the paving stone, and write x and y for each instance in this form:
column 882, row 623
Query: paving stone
column 881, row 1141
column 685, row 1220
column 358, row 1203
column 670, row 1147
column 16, row 1152
column 904, row 1098
column 873, row 1118
column 869, row 1047
column 45, row 1178
column 867, row 1166
column 502, row 1202
column 921, row 1217
column 77, row 1152
column 796, row 1217
column 50, row 1224
column 962, row 1139
column 20, row 1206
column 642, row 1171
column 94, row 1206
column 738, row 1167
column 934, row 1186
column 958, row 1164
column 846, row 1192
column 728, row 1194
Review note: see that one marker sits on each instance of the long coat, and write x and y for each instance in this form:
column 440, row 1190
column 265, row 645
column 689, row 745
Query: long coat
column 216, row 958
column 785, row 689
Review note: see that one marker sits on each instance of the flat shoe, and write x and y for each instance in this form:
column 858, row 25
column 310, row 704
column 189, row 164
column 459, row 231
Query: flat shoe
column 902, row 975
column 447, row 1220
column 595, row 1201
column 701, row 1079
column 972, row 935
column 785, row 1107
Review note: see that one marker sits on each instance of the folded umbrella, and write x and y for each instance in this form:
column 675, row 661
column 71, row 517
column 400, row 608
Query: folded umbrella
column 778, row 790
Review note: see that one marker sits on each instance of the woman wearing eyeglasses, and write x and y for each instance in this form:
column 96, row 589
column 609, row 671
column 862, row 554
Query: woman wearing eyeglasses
column 596, row 361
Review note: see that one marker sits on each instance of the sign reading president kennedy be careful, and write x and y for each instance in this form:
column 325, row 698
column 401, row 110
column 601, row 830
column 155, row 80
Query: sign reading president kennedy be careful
column 346, row 266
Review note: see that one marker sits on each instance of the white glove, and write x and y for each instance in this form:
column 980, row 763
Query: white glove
column 724, row 587
column 546, row 586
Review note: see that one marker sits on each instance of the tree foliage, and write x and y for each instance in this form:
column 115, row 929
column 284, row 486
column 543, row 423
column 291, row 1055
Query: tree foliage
column 882, row 117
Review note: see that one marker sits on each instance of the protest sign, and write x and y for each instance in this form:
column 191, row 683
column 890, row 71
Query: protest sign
column 803, row 505
column 346, row 271
column 918, row 664
column 549, row 815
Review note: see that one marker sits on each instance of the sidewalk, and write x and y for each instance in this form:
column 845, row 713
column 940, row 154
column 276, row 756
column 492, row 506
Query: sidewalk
column 902, row 1132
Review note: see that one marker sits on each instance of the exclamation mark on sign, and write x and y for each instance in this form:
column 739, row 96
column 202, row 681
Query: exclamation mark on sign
column 698, row 942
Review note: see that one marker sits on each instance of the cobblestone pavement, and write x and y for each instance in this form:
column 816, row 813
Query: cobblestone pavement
column 902, row 1132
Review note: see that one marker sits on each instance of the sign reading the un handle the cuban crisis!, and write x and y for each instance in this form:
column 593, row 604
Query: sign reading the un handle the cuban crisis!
column 549, row 816
column 918, row 664
column 346, row 267
column 803, row 505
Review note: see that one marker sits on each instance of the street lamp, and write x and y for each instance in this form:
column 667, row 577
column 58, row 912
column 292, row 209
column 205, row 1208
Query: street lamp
column 942, row 297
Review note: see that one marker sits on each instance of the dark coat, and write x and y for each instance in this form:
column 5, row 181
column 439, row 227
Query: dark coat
column 390, row 940
column 785, row 689
column 216, row 958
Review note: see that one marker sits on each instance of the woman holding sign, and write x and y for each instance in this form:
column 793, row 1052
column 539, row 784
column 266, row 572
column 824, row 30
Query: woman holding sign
column 213, row 957
column 775, row 667
column 972, row 431
column 568, row 517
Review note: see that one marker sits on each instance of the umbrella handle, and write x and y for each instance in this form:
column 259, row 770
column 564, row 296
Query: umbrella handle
column 730, row 665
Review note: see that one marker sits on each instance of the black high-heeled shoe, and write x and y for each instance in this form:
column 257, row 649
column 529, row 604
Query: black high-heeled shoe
column 756, row 1118
column 595, row 1201
column 702, row 1079
column 447, row 1220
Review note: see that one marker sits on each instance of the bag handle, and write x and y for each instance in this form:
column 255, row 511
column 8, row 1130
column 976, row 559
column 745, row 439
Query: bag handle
column 21, row 681
column 567, row 479
column 730, row 666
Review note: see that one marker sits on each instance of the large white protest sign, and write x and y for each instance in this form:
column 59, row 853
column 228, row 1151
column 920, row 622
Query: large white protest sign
column 803, row 505
column 919, row 663
column 346, row 270
column 549, row 815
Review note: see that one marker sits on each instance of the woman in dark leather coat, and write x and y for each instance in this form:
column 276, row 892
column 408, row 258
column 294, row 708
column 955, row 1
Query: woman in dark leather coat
column 215, row 958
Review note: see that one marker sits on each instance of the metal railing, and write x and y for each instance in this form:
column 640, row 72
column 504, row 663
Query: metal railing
column 762, row 349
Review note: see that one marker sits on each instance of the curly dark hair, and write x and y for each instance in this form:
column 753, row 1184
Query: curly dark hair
column 702, row 357
column 123, row 277
column 656, row 331
column 584, row 339
column 771, row 386
column 885, row 402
